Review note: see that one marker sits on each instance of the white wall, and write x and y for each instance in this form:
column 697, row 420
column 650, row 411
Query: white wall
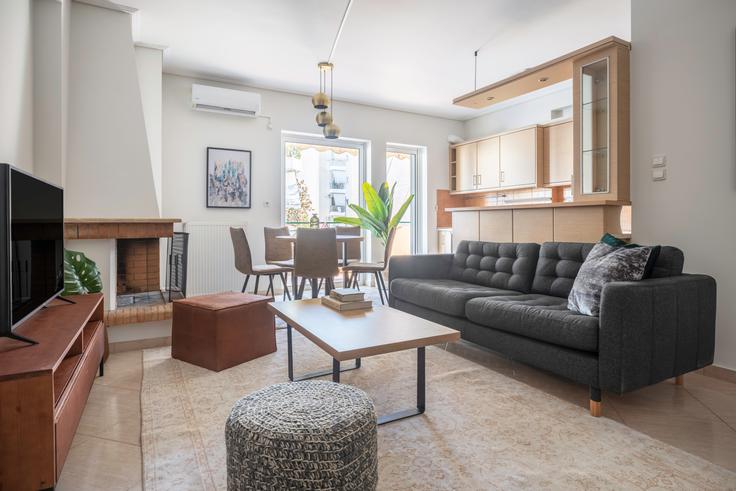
column 533, row 110
column 187, row 134
column 149, row 63
column 16, row 83
column 48, row 116
column 109, row 171
column 683, row 62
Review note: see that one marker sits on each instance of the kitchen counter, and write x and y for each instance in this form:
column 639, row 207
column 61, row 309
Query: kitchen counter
column 521, row 206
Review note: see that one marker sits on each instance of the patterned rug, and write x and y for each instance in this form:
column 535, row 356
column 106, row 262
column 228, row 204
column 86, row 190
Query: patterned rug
column 482, row 430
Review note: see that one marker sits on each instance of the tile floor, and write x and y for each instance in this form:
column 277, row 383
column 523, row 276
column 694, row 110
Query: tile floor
column 699, row 417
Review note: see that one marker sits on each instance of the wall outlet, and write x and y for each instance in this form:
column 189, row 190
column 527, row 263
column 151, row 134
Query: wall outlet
column 267, row 204
column 659, row 161
column 659, row 174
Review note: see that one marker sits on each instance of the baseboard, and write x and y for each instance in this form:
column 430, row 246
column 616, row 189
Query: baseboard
column 139, row 344
column 720, row 373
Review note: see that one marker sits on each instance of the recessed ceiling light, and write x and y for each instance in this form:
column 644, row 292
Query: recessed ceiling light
column 543, row 79
column 489, row 98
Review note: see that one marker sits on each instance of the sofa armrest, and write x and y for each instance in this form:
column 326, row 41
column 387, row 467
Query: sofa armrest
column 655, row 329
column 424, row 266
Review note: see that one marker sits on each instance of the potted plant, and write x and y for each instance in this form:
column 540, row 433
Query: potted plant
column 376, row 216
column 81, row 274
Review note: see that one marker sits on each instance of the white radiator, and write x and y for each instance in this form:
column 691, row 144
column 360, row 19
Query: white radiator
column 211, row 264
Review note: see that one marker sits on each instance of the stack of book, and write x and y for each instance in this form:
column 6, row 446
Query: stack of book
column 343, row 299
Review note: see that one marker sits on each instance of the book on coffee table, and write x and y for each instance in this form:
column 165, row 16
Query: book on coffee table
column 347, row 295
column 336, row 304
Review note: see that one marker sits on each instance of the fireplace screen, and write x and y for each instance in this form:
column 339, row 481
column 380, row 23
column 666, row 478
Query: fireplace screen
column 176, row 277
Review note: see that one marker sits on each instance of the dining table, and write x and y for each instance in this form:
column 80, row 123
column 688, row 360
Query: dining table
column 344, row 240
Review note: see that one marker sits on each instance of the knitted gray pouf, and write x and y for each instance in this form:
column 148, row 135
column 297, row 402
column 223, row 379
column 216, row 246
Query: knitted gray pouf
column 302, row 435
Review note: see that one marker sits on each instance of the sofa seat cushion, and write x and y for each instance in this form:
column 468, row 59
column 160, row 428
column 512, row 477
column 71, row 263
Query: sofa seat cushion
column 446, row 296
column 542, row 317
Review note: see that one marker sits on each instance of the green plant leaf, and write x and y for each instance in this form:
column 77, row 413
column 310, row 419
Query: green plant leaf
column 369, row 222
column 399, row 214
column 383, row 192
column 374, row 204
column 349, row 221
column 81, row 274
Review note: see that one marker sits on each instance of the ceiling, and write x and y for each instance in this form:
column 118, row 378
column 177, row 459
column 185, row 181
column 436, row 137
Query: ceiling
column 411, row 55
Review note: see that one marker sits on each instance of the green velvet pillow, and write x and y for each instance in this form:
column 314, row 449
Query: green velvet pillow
column 616, row 242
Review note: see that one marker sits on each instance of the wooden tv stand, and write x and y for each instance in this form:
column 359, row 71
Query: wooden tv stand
column 44, row 388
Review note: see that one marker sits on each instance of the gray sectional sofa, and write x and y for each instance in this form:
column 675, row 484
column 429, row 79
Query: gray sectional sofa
column 512, row 299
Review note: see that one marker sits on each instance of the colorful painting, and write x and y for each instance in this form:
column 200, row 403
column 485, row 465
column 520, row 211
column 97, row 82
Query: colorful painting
column 228, row 178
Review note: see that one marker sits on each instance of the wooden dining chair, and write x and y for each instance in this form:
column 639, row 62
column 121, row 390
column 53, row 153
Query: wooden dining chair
column 353, row 247
column 279, row 252
column 244, row 264
column 315, row 258
column 377, row 269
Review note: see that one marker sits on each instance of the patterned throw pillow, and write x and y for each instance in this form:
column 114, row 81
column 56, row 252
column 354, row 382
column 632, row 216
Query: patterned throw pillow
column 604, row 264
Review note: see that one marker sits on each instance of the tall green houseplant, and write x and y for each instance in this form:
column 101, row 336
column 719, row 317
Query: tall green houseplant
column 377, row 215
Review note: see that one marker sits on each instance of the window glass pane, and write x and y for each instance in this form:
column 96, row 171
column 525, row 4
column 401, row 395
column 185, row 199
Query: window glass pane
column 401, row 169
column 321, row 179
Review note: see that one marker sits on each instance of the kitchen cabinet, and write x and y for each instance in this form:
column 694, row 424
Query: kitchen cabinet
column 464, row 227
column 558, row 154
column 465, row 166
column 520, row 158
column 488, row 171
column 496, row 226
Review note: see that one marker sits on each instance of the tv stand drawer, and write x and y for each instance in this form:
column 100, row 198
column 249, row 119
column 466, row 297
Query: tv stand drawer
column 73, row 401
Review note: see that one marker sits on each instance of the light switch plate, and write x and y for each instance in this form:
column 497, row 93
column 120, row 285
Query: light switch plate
column 659, row 174
column 659, row 161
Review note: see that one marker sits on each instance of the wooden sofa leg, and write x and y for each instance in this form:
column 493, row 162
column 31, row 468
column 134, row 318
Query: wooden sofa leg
column 680, row 380
column 595, row 402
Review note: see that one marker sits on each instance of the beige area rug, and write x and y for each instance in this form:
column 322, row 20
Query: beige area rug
column 481, row 430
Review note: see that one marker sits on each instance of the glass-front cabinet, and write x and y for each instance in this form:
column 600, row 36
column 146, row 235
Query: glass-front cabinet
column 594, row 127
column 601, row 130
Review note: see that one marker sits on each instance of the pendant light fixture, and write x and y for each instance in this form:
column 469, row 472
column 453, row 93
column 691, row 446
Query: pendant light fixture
column 320, row 100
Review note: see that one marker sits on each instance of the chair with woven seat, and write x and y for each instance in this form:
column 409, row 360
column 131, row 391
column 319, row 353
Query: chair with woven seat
column 315, row 258
column 376, row 269
column 244, row 264
column 279, row 252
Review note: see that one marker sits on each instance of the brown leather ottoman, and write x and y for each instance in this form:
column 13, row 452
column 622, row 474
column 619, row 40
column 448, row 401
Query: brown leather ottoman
column 222, row 330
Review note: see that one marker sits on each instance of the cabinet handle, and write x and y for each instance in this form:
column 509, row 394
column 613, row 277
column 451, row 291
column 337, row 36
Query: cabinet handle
column 503, row 176
column 480, row 179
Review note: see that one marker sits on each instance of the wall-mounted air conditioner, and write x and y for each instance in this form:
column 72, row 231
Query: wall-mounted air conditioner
column 226, row 101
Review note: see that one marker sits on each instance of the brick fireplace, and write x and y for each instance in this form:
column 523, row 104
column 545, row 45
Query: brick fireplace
column 133, row 285
column 138, row 266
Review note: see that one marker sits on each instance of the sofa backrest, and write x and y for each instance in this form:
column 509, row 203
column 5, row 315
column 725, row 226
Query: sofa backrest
column 559, row 263
column 558, row 266
column 509, row 266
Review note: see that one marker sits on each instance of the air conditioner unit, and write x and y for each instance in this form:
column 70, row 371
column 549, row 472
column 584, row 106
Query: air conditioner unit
column 226, row 101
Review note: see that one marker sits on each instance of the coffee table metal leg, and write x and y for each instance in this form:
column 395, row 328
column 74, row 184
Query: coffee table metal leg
column 421, row 402
column 336, row 371
column 290, row 363
column 320, row 373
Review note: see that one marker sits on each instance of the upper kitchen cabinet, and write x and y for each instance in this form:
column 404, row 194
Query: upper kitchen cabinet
column 558, row 154
column 601, row 124
column 520, row 158
column 489, row 170
column 466, row 157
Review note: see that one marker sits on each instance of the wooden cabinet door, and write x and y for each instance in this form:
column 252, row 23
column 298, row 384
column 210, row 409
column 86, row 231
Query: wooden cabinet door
column 519, row 158
column 464, row 227
column 496, row 226
column 488, row 164
column 558, row 154
column 465, row 166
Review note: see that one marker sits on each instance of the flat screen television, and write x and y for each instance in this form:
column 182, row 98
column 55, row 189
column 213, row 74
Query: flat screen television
column 31, row 246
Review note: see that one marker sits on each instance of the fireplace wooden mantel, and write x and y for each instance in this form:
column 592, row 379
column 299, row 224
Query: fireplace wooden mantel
column 118, row 228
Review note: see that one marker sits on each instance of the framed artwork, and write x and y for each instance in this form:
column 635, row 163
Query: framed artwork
column 228, row 178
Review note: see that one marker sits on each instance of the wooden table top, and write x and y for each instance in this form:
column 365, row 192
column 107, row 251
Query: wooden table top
column 340, row 238
column 361, row 333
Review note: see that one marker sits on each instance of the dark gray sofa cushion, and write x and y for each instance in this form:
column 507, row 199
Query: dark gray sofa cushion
column 446, row 296
column 508, row 266
column 558, row 266
column 669, row 262
column 542, row 317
